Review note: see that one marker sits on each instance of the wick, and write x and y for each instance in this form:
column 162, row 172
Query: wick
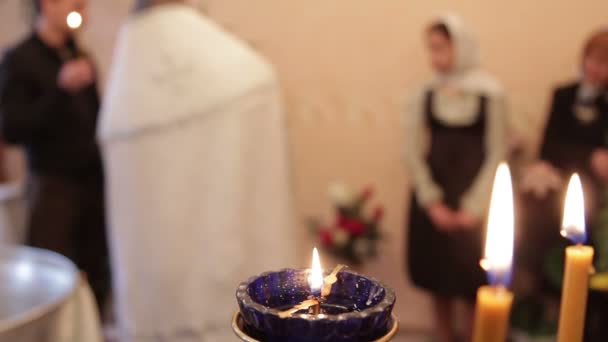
column 580, row 248
column 500, row 290
column 330, row 280
column 315, row 309
column 305, row 305
column 313, row 304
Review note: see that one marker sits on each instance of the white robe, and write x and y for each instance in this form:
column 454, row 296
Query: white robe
column 194, row 142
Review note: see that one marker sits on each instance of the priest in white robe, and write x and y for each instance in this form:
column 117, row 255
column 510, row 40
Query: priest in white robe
column 194, row 140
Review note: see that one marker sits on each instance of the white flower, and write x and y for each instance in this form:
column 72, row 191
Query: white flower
column 360, row 247
column 341, row 194
column 340, row 238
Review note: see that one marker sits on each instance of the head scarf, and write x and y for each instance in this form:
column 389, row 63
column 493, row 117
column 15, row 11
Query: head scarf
column 466, row 74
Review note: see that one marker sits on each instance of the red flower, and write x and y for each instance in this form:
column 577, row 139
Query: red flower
column 327, row 238
column 367, row 193
column 341, row 219
column 378, row 214
column 354, row 227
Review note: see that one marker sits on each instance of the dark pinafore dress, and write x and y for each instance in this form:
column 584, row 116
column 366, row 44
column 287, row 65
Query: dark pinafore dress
column 447, row 263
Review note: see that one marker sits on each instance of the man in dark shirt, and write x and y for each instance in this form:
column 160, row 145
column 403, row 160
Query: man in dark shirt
column 49, row 105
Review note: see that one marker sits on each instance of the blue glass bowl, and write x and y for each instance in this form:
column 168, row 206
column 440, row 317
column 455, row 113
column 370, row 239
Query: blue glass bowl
column 358, row 309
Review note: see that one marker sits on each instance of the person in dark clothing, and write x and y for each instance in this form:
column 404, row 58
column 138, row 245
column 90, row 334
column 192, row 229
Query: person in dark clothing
column 456, row 128
column 575, row 140
column 49, row 104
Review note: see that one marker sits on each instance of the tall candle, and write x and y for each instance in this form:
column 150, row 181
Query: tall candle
column 494, row 301
column 578, row 266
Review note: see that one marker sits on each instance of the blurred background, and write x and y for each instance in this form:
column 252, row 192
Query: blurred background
column 346, row 68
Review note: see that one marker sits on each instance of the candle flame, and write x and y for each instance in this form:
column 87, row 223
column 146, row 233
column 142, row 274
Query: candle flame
column 74, row 20
column 315, row 279
column 573, row 223
column 500, row 231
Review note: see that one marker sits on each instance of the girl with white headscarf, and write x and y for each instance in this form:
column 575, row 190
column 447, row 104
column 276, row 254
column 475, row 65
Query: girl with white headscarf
column 456, row 126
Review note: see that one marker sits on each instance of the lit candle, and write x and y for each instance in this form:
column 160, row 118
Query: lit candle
column 577, row 266
column 320, row 287
column 494, row 301
column 74, row 20
column 315, row 280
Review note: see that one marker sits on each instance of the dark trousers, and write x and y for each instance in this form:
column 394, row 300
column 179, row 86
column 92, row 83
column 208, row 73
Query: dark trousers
column 67, row 216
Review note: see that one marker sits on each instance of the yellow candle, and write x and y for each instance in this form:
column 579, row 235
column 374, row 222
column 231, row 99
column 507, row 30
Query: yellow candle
column 494, row 302
column 492, row 314
column 578, row 266
column 574, row 293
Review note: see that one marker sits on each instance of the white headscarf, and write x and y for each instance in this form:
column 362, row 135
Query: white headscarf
column 466, row 74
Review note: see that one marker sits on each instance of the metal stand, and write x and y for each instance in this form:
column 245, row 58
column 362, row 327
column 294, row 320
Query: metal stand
column 238, row 324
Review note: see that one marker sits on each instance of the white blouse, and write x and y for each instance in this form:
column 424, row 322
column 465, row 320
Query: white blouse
column 454, row 109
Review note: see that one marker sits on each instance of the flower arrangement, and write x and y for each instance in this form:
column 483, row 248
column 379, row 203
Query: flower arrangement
column 353, row 235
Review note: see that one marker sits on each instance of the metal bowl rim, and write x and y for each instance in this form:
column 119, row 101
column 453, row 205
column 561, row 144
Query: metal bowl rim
column 246, row 338
column 38, row 312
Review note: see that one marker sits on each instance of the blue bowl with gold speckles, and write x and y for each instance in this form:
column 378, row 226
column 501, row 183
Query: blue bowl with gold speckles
column 358, row 309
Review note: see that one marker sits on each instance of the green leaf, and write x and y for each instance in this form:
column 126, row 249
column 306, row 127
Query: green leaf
column 600, row 236
column 554, row 265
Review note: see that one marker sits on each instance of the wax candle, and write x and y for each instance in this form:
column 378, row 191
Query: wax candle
column 320, row 288
column 494, row 301
column 493, row 308
column 578, row 266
